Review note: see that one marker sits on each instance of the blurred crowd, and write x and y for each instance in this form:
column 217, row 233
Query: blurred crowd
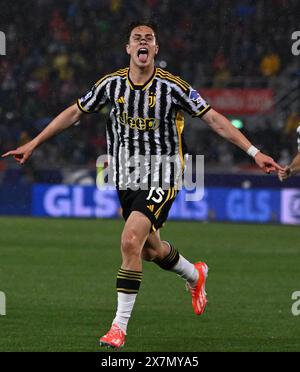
column 57, row 49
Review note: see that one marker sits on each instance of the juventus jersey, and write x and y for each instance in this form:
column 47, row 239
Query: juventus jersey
column 145, row 125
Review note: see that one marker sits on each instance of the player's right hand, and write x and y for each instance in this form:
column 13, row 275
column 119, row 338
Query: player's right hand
column 266, row 163
column 21, row 154
column 284, row 174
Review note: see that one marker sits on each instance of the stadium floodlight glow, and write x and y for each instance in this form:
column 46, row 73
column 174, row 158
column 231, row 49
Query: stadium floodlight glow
column 163, row 64
column 237, row 123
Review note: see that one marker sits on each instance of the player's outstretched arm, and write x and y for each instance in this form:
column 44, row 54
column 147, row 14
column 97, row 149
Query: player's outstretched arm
column 290, row 170
column 64, row 120
column 224, row 128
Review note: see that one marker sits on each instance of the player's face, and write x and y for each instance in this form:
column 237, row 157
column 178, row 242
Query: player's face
column 142, row 46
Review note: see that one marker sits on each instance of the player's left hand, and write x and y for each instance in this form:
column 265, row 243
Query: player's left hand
column 267, row 164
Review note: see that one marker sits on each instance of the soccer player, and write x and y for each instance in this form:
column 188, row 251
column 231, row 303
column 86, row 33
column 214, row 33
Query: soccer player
column 146, row 120
column 294, row 167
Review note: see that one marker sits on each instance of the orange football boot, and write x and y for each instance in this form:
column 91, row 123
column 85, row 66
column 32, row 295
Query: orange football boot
column 198, row 292
column 114, row 338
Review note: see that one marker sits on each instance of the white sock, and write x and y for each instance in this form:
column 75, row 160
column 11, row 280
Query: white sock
column 124, row 310
column 186, row 271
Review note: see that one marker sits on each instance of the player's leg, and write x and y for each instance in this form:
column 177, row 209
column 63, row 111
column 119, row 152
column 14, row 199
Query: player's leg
column 168, row 258
column 154, row 248
column 134, row 236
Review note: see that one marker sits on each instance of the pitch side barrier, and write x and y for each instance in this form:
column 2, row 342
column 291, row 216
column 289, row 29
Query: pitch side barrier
column 238, row 204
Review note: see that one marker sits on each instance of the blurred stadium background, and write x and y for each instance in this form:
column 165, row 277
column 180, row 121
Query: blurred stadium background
column 238, row 54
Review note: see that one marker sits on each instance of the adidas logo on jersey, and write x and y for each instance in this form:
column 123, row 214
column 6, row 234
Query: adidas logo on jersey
column 150, row 207
column 121, row 100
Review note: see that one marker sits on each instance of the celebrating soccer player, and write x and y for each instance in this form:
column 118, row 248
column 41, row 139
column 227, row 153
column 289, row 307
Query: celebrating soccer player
column 146, row 122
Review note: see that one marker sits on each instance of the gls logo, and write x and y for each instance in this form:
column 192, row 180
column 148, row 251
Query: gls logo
column 296, row 305
column 2, row 44
column 296, row 44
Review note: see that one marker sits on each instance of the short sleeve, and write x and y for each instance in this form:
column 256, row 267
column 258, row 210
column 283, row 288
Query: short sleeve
column 298, row 138
column 190, row 100
column 95, row 98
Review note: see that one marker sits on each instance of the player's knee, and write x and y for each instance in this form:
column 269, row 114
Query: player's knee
column 149, row 254
column 130, row 245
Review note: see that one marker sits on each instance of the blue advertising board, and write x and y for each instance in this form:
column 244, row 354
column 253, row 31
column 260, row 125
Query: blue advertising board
column 15, row 200
column 249, row 205
column 74, row 201
column 216, row 204
column 220, row 204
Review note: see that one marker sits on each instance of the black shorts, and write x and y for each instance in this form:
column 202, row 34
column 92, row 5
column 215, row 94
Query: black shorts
column 154, row 203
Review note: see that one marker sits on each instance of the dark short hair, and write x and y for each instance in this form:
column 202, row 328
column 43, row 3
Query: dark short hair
column 143, row 22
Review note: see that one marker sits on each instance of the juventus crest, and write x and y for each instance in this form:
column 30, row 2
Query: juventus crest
column 151, row 99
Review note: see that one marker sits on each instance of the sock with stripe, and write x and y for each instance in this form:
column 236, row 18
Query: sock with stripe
column 181, row 266
column 128, row 284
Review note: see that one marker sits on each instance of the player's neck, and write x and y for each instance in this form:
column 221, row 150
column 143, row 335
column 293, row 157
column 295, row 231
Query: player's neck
column 140, row 76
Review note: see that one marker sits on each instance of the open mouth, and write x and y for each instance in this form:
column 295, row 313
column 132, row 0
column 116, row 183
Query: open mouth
column 142, row 54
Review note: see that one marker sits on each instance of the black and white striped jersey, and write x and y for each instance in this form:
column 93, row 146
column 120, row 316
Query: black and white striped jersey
column 145, row 125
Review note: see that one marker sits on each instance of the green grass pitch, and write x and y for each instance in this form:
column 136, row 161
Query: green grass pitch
column 59, row 281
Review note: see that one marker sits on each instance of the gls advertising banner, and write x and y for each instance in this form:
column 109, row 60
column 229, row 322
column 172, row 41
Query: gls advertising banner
column 290, row 206
column 221, row 204
column 74, row 201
